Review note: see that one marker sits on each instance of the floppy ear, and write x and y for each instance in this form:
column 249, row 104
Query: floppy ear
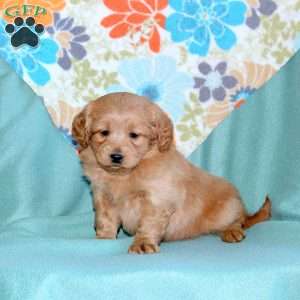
column 79, row 130
column 165, row 132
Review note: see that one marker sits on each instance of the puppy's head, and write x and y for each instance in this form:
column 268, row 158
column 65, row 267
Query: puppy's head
column 121, row 129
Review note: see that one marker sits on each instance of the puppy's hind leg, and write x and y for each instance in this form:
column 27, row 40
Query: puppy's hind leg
column 234, row 233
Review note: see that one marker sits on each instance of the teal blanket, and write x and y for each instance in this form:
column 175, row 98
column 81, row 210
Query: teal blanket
column 47, row 245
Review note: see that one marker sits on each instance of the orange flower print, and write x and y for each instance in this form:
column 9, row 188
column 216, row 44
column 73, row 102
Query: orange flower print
column 41, row 10
column 139, row 19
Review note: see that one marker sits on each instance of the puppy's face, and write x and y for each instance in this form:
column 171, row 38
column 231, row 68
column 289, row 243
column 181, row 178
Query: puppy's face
column 121, row 128
column 120, row 141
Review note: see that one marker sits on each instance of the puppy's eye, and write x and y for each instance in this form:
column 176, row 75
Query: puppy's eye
column 133, row 135
column 104, row 132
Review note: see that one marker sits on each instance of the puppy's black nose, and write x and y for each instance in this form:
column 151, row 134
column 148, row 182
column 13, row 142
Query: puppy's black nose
column 116, row 158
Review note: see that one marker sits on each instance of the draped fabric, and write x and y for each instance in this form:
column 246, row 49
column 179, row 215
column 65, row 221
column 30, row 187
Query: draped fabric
column 198, row 59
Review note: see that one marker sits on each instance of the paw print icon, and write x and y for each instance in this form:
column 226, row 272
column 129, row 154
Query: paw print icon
column 24, row 33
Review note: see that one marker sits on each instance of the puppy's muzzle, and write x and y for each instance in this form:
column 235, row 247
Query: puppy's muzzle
column 116, row 158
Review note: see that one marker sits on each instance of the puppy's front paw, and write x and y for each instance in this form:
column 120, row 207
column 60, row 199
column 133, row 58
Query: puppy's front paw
column 105, row 234
column 143, row 248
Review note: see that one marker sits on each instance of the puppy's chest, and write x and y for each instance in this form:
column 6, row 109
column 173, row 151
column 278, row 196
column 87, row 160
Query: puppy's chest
column 123, row 194
column 119, row 190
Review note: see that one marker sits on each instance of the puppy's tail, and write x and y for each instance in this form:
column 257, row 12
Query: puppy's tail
column 263, row 214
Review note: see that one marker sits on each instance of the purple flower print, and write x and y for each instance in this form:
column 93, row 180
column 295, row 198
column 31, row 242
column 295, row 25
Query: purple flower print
column 70, row 38
column 214, row 82
column 262, row 7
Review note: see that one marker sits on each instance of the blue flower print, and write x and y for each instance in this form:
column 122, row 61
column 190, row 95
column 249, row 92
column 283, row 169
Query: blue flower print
column 28, row 60
column 158, row 79
column 197, row 21
column 243, row 93
column 297, row 42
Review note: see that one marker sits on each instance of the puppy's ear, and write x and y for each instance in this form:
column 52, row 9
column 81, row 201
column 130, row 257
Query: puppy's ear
column 165, row 132
column 79, row 130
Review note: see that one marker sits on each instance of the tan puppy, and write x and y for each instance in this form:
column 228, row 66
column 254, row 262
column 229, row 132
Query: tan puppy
column 142, row 183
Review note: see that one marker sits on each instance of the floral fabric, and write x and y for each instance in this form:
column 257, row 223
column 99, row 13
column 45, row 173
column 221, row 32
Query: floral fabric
column 197, row 59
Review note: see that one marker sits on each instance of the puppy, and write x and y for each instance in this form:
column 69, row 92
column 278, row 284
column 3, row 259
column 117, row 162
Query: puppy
column 142, row 183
